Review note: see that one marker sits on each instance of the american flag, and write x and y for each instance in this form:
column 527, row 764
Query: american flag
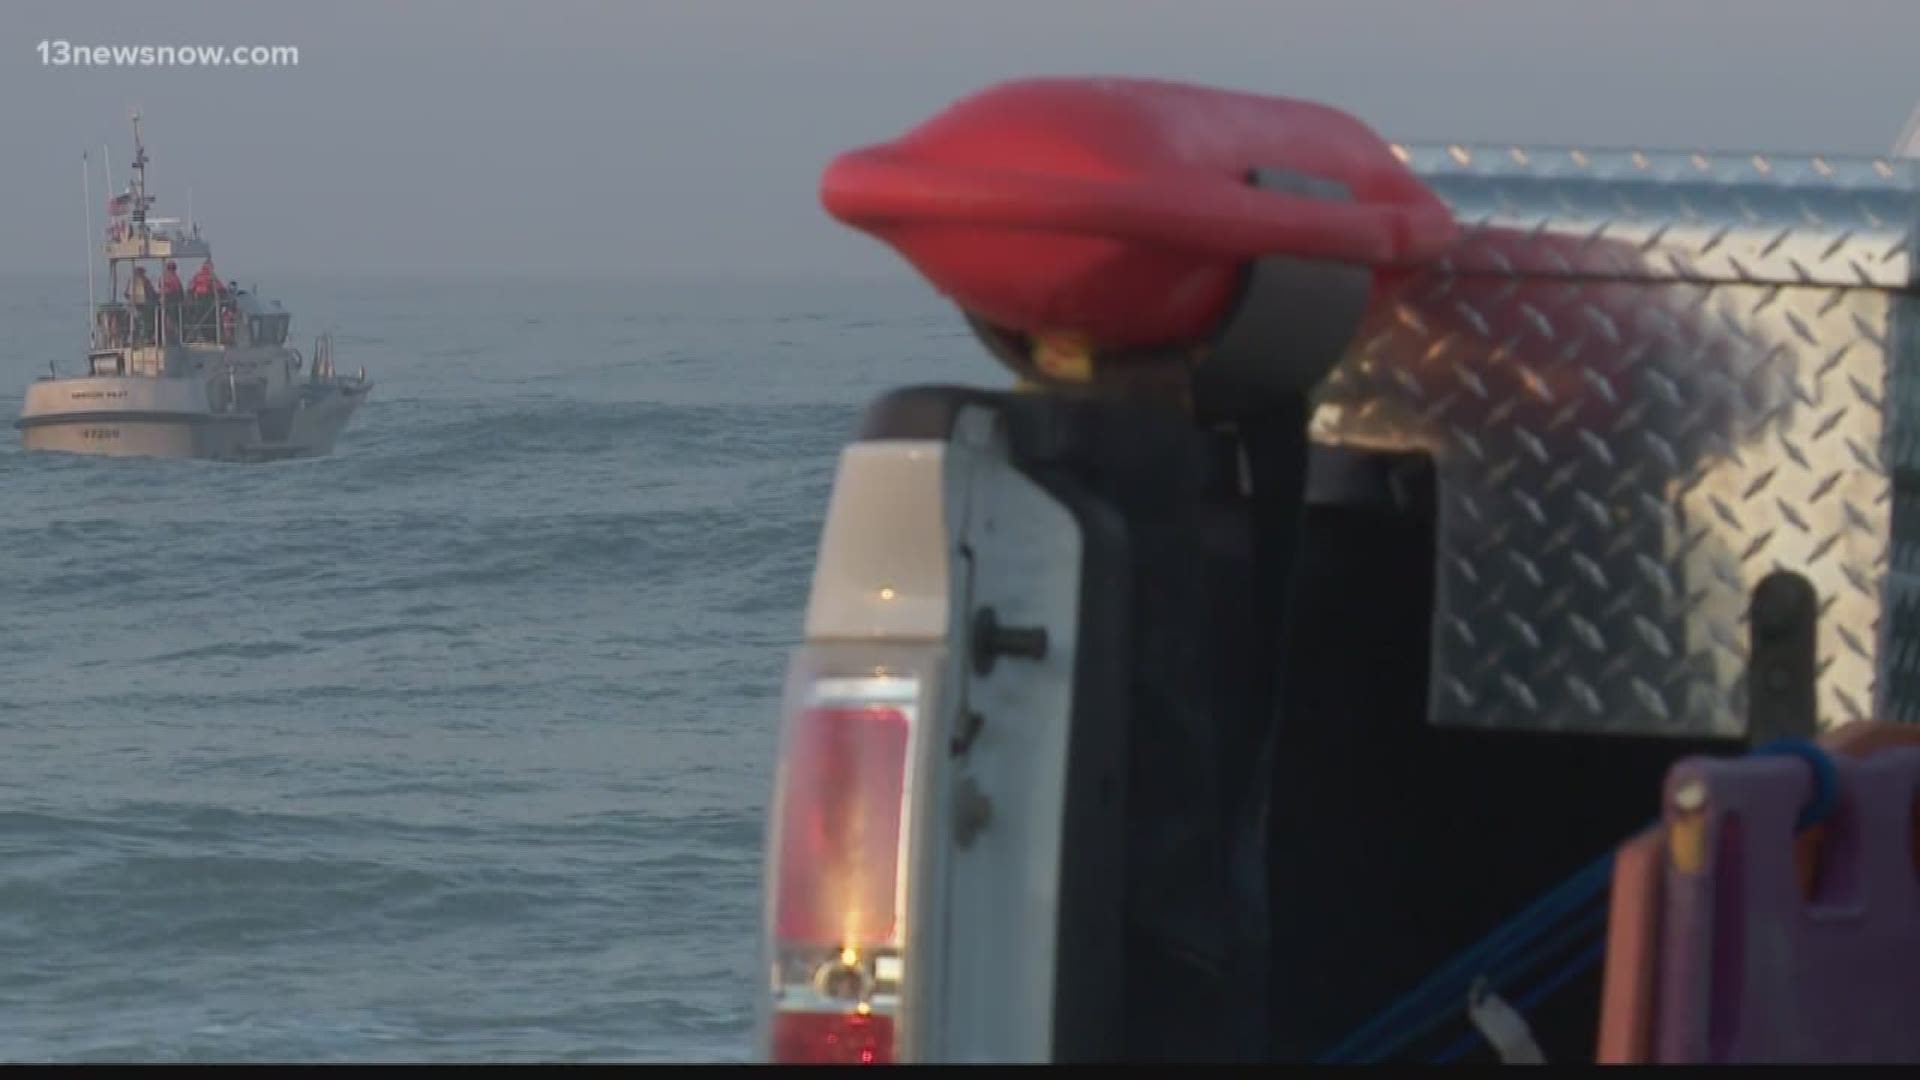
column 123, row 203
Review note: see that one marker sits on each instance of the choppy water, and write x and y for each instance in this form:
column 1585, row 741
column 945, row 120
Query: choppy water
column 454, row 745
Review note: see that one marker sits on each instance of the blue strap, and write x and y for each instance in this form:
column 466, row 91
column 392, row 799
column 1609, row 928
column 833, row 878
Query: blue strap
column 1530, row 1000
column 1593, row 924
column 1826, row 777
column 1443, row 990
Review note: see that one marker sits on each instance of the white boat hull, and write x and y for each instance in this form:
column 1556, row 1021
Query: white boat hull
column 120, row 416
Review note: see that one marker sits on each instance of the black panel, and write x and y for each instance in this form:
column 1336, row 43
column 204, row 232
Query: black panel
column 1170, row 684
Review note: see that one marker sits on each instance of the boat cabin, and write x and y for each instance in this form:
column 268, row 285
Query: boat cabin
column 205, row 312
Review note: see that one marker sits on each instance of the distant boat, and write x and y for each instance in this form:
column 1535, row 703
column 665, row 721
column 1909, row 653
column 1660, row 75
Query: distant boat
column 204, row 372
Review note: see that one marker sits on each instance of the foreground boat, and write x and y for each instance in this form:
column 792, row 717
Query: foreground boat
column 1424, row 604
column 186, row 372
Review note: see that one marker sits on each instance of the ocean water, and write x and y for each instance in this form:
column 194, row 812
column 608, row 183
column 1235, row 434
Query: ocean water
column 454, row 745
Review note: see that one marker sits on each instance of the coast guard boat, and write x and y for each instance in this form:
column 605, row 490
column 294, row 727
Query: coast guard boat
column 177, row 372
column 1420, row 603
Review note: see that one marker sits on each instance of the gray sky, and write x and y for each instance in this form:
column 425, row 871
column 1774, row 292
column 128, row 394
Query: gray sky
column 688, row 135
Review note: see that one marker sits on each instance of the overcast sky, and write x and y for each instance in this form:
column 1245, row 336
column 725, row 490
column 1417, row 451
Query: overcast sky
column 664, row 135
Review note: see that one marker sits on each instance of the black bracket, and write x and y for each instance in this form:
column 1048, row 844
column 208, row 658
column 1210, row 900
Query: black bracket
column 1782, row 659
column 971, row 724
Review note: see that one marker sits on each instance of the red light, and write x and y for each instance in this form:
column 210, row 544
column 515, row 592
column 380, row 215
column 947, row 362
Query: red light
column 805, row 1038
column 840, row 826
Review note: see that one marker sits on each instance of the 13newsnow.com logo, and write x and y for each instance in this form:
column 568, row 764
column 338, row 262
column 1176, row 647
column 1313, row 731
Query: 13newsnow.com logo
column 67, row 54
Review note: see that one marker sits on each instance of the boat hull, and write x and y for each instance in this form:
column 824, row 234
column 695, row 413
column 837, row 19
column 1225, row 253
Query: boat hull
column 140, row 435
column 168, row 418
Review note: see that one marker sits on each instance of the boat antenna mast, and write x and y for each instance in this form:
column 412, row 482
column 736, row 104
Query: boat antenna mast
column 86, row 199
column 139, row 220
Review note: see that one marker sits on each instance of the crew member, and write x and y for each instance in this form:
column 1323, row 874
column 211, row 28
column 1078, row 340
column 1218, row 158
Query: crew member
column 205, row 284
column 172, row 297
column 140, row 294
column 203, row 291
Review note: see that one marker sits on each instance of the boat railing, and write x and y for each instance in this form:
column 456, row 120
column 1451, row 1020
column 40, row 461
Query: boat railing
column 176, row 320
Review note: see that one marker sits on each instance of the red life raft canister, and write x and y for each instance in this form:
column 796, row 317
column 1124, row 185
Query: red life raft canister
column 1125, row 211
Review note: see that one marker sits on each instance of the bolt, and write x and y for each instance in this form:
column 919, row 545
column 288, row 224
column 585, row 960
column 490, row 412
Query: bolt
column 992, row 641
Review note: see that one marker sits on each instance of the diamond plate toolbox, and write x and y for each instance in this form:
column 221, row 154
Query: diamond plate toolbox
column 1647, row 381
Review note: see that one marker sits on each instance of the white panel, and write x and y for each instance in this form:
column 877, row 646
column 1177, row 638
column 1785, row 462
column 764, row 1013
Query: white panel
column 882, row 566
column 1001, row 888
